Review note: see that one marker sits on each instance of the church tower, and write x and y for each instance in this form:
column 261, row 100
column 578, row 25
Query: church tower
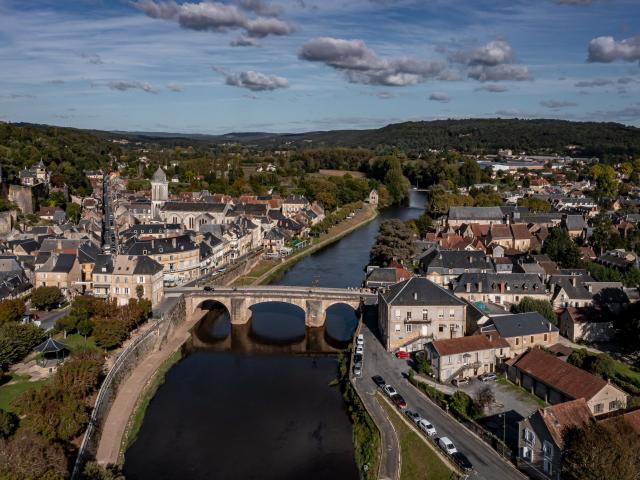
column 159, row 192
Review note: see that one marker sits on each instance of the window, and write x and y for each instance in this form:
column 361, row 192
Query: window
column 408, row 316
column 546, row 466
column 449, row 360
column 452, row 312
column 529, row 436
column 531, row 338
column 126, row 291
column 598, row 408
column 425, row 315
column 517, row 341
column 527, row 454
column 441, row 328
column 117, row 289
column 613, row 405
column 408, row 328
column 441, row 313
column 498, row 300
column 397, row 327
column 545, row 337
column 141, row 279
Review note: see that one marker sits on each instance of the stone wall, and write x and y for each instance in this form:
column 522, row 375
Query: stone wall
column 7, row 221
column 23, row 197
column 126, row 362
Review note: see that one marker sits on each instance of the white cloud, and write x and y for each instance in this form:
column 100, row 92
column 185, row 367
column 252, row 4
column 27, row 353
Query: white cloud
column 607, row 49
column 493, row 62
column 254, row 81
column 361, row 64
column 174, row 87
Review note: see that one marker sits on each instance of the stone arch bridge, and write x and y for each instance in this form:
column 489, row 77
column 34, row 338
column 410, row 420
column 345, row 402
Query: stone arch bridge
column 314, row 301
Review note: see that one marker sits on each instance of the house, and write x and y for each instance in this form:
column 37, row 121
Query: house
column 575, row 225
column 126, row 277
column 414, row 311
column 53, row 214
column 464, row 357
column 500, row 288
column 60, row 270
column 586, row 324
column 484, row 215
column 500, row 235
column 35, row 175
column 522, row 238
column 379, row 277
column 273, row 241
column 293, row 204
column 540, row 437
column 522, row 330
column 582, row 291
column 192, row 215
column 556, row 381
column 445, row 266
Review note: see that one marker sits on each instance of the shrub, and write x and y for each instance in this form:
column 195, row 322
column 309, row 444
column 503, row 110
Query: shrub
column 8, row 423
column 46, row 298
column 11, row 310
column 17, row 340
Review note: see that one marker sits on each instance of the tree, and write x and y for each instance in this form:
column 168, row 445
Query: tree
column 80, row 374
column 93, row 471
column 462, row 405
column 562, row 249
column 17, row 340
column 46, row 298
column 535, row 205
column 543, row 307
column 396, row 182
column 8, row 423
column 470, row 173
column 29, row 456
column 11, row 310
column 139, row 292
column 602, row 231
column 73, row 212
column 394, row 242
column 606, row 181
column 485, row 397
column 601, row 450
column 110, row 332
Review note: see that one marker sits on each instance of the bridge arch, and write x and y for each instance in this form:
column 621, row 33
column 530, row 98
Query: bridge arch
column 278, row 321
column 341, row 321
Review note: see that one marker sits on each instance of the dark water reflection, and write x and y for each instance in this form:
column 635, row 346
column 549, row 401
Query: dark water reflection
column 254, row 401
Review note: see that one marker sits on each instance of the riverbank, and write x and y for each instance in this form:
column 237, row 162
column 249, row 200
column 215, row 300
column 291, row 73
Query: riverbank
column 366, row 215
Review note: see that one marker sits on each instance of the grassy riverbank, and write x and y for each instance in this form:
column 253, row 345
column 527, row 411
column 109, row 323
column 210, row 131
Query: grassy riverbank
column 137, row 416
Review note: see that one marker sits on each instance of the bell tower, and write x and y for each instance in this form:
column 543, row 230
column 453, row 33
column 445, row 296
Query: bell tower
column 159, row 192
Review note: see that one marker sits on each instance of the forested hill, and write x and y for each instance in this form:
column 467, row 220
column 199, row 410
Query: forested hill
column 604, row 140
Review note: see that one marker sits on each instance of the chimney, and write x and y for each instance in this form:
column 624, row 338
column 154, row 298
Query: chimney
column 590, row 287
column 480, row 286
column 152, row 243
column 470, row 258
column 468, row 287
column 415, row 295
column 549, row 325
column 173, row 242
column 574, row 281
column 501, row 287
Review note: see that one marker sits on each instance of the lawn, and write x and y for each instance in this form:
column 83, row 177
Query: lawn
column 9, row 392
column 76, row 341
column 418, row 459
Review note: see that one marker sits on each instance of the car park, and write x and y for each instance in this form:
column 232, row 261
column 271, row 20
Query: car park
column 460, row 381
column 426, row 426
column 378, row 380
column 357, row 357
column 487, row 377
column 447, row 445
column 462, row 461
column 389, row 390
column 402, row 355
column 360, row 349
column 360, row 339
column 399, row 401
column 413, row 416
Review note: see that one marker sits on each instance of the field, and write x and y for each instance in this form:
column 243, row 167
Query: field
column 19, row 385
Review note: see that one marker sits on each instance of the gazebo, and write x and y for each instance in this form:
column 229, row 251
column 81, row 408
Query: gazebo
column 49, row 347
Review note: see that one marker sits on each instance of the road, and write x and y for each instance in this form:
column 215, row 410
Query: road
column 48, row 319
column 487, row 464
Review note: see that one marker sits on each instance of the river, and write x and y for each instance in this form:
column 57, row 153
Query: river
column 255, row 401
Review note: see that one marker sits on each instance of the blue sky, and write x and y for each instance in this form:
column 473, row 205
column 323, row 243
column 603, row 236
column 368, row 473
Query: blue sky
column 298, row 65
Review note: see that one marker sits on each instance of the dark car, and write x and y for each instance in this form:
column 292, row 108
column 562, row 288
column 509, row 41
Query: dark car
column 378, row 380
column 399, row 401
column 357, row 357
column 413, row 416
column 208, row 288
column 462, row 461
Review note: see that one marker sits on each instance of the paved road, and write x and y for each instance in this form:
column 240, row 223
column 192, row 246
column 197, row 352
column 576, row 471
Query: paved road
column 48, row 319
column 487, row 464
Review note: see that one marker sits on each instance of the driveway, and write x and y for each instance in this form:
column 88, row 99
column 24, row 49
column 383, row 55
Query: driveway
column 507, row 398
column 487, row 464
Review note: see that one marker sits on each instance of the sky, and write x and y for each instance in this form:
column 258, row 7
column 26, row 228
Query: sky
column 299, row 65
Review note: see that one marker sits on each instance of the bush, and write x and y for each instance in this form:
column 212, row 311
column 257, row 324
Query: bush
column 463, row 406
column 29, row 456
column 11, row 310
column 46, row 298
column 110, row 332
column 17, row 341
column 8, row 423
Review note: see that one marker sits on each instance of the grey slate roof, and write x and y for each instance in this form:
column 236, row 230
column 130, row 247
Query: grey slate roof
column 476, row 213
column 522, row 283
column 156, row 246
column 146, row 266
column 419, row 291
column 442, row 261
column 194, row 207
column 574, row 222
column 104, row 264
column 159, row 176
column 521, row 324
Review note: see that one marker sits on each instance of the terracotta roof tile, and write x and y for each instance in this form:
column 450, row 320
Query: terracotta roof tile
column 474, row 343
column 558, row 417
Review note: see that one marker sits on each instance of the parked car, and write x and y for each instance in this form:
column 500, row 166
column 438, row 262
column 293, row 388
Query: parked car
column 402, row 355
column 357, row 369
column 399, row 401
column 413, row 416
column 29, row 317
column 357, row 357
column 462, row 461
column 487, row 377
column 208, row 288
column 447, row 445
column 389, row 390
column 460, row 381
column 378, row 380
column 360, row 339
column 360, row 349
column 426, row 426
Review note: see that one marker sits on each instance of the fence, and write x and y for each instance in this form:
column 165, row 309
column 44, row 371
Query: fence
column 128, row 359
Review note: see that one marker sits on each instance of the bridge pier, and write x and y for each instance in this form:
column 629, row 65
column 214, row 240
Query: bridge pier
column 314, row 313
column 239, row 311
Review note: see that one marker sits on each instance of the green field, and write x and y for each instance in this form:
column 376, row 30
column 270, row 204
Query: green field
column 10, row 391
column 418, row 460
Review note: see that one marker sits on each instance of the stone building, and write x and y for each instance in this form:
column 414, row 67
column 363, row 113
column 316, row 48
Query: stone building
column 159, row 192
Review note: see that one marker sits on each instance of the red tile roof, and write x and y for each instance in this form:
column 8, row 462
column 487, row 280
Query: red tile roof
column 474, row 343
column 561, row 376
column 557, row 418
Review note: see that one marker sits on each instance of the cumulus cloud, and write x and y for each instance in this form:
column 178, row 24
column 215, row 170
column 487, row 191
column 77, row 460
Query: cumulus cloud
column 361, row 64
column 217, row 17
column 260, row 7
column 607, row 49
column 493, row 88
column 123, row 86
column 557, row 104
column 254, row 81
column 492, row 62
column 174, row 87
column 439, row 97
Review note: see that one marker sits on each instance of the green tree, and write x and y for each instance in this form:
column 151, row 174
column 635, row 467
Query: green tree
column 17, row 340
column 11, row 310
column 543, row 307
column 73, row 211
column 394, row 242
column 46, row 298
column 93, row 471
column 535, row 205
column 462, row 405
column 601, row 450
column 606, row 181
column 396, row 182
column 602, row 231
column 28, row 456
column 470, row 173
column 109, row 332
column 8, row 423
column 562, row 249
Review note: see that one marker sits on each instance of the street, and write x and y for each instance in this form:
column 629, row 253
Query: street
column 48, row 319
column 487, row 464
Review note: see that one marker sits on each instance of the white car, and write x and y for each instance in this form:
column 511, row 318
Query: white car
column 389, row 390
column 427, row 428
column 360, row 349
column 447, row 445
column 360, row 339
column 357, row 370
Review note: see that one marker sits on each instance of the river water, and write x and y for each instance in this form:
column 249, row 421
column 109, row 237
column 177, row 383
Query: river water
column 255, row 401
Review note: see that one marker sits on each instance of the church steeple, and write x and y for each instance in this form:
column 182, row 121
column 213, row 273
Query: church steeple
column 159, row 192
